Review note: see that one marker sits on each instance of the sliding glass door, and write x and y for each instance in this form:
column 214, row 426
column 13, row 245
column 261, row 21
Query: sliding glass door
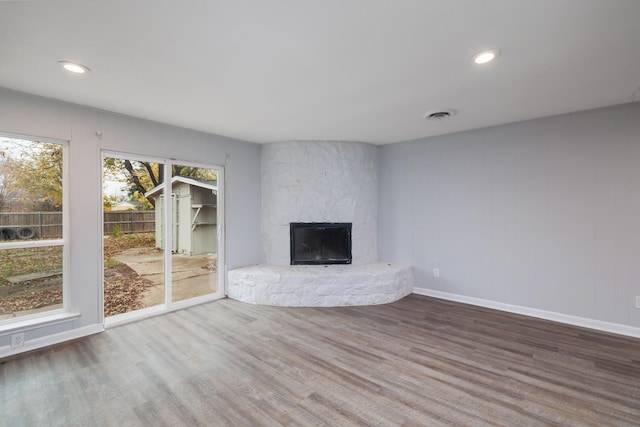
column 194, row 193
column 162, row 235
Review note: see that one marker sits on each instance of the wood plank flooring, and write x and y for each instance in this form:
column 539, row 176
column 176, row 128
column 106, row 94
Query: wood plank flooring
column 417, row 362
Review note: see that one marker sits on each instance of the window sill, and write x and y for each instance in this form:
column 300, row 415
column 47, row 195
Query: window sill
column 45, row 320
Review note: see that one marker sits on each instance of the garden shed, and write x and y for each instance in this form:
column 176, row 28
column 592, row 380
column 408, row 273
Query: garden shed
column 194, row 206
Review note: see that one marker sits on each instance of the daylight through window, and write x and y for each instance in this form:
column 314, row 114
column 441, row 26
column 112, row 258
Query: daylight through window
column 32, row 232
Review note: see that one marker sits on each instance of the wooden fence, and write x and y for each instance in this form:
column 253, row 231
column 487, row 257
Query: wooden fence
column 129, row 222
column 48, row 225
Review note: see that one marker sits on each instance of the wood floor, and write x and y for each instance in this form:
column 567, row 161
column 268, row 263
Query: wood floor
column 419, row 361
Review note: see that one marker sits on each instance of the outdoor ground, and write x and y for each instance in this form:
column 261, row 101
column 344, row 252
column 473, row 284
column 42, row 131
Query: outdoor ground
column 41, row 284
column 123, row 287
column 191, row 275
column 31, row 279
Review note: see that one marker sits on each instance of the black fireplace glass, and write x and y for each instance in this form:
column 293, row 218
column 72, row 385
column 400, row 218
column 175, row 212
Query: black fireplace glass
column 320, row 243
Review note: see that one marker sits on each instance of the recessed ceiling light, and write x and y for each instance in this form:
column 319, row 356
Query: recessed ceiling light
column 74, row 67
column 485, row 56
column 438, row 115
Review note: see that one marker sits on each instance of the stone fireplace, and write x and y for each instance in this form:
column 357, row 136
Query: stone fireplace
column 319, row 182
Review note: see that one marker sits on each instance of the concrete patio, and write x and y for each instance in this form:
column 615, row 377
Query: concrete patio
column 192, row 276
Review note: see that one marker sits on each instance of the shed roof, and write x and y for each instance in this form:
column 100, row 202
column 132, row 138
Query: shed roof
column 202, row 183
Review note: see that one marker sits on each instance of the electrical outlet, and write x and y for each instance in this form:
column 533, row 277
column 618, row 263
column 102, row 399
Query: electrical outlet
column 436, row 272
column 17, row 340
column 637, row 301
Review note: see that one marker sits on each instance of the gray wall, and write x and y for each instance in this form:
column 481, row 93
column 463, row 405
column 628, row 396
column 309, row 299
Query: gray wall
column 542, row 214
column 30, row 115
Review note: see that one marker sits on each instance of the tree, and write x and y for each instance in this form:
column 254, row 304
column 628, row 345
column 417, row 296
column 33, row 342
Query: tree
column 4, row 197
column 31, row 175
column 141, row 177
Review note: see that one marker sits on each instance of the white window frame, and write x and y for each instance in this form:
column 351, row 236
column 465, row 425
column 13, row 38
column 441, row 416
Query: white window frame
column 58, row 313
column 168, row 305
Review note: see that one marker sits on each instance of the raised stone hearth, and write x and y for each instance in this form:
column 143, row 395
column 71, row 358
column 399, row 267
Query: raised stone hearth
column 319, row 182
column 320, row 285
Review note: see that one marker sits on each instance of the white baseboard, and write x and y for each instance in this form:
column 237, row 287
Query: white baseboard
column 48, row 340
column 534, row 312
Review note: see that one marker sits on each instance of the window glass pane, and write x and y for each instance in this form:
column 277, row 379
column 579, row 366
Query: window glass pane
column 194, row 192
column 30, row 190
column 133, row 238
column 31, row 205
column 30, row 280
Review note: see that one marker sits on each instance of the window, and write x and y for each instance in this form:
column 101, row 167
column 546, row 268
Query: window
column 162, row 235
column 32, row 227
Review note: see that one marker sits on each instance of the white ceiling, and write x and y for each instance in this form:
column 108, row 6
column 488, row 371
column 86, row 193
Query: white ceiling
column 365, row 70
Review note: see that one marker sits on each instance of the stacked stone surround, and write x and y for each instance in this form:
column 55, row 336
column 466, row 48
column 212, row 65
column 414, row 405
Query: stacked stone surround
column 313, row 181
column 319, row 181
column 319, row 285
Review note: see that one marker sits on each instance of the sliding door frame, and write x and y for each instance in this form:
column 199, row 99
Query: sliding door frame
column 167, row 236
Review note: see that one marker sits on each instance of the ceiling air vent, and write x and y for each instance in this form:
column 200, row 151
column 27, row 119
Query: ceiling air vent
column 440, row 114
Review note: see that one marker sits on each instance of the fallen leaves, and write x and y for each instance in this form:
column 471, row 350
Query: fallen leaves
column 113, row 245
column 16, row 262
column 31, row 301
column 123, row 287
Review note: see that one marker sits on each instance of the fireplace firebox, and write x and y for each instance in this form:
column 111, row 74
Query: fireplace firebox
column 320, row 243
